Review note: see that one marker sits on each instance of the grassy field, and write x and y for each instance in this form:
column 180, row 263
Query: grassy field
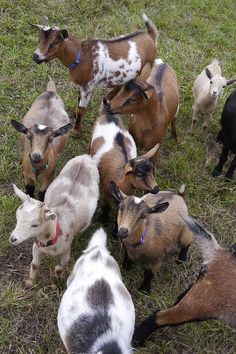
column 191, row 33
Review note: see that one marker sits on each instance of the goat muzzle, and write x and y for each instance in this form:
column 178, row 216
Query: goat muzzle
column 37, row 59
column 123, row 232
column 155, row 190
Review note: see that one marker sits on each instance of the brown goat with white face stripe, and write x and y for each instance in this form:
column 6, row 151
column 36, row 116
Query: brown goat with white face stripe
column 153, row 104
column 97, row 62
column 147, row 233
column 212, row 296
column 45, row 128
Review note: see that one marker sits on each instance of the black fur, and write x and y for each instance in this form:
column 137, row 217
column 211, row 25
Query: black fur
column 111, row 347
column 112, row 118
column 159, row 77
column 99, row 295
column 86, row 330
column 227, row 136
column 197, row 229
column 146, row 284
column 120, row 141
column 123, row 38
column 144, row 330
column 30, row 190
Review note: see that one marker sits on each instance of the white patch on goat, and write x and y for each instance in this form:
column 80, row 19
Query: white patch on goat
column 137, row 200
column 40, row 54
column 108, row 68
column 42, row 127
column 109, row 132
column 46, row 28
column 158, row 61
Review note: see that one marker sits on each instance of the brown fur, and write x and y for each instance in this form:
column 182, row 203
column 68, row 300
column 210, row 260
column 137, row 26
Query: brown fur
column 150, row 115
column 164, row 232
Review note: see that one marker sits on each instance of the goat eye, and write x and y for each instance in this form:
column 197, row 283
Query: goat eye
column 35, row 225
column 210, row 82
column 223, row 86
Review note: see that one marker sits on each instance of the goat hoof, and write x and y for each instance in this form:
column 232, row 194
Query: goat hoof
column 144, row 289
column 29, row 283
column 59, row 272
column 215, row 173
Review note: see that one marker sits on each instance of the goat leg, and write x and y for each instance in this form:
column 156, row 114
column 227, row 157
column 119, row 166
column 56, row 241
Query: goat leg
column 223, row 158
column 229, row 174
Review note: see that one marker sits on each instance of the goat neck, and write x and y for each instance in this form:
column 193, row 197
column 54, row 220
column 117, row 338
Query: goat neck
column 71, row 48
column 134, row 239
column 125, row 184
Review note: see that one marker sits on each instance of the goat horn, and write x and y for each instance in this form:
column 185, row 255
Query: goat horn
column 39, row 27
column 45, row 18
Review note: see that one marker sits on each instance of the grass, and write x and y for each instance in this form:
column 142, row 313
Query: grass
column 191, row 33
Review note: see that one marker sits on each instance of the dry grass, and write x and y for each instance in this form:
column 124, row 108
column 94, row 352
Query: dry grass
column 191, row 34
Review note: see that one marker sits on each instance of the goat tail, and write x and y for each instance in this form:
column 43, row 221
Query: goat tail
column 207, row 241
column 99, row 239
column 51, row 85
column 181, row 190
column 215, row 62
column 151, row 28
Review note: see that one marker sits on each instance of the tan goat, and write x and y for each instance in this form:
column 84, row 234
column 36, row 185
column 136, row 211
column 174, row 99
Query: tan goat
column 45, row 127
column 212, row 296
column 207, row 90
column 95, row 62
column 145, row 233
column 114, row 150
column 153, row 104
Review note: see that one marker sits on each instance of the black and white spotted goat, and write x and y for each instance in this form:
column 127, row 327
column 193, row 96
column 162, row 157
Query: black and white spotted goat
column 96, row 314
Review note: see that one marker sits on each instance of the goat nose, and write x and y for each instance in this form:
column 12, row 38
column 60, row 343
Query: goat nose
column 36, row 158
column 35, row 57
column 155, row 190
column 214, row 92
column 123, row 232
column 13, row 239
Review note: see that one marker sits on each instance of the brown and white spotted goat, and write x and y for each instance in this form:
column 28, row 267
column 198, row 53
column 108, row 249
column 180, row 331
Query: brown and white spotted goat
column 153, row 104
column 70, row 202
column 45, row 127
column 212, row 296
column 114, row 150
column 98, row 62
column 147, row 233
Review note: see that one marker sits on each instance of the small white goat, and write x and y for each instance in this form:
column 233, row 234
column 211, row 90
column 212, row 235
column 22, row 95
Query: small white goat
column 207, row 90
column 70, row 202
column 96, row 314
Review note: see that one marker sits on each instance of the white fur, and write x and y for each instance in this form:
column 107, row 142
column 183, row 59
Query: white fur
column 107, row 67
column 137, row 200
column 82, row 278
column 42, row 127
column 109, row 132
column 158, row 61
column 39, row 53
column 70, row 201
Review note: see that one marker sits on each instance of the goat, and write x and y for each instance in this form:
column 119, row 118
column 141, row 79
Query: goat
column 207, row 90
column 212, row 296
column 153, row 104
column 95, row 62
column 145, row 233
column 96, row 313
column 114, row 150
column 45, row 127
column 70, row 202
column 227, row 136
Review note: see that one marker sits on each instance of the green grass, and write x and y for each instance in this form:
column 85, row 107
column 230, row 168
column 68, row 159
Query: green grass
column 191, row 33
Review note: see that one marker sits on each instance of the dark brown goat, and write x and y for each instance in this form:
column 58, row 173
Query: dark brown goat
column 212, row 296
column 153, row 105
column 44, row 127
column 98, row 62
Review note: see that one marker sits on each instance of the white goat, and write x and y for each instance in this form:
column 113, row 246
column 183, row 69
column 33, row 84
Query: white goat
column 70, row 202
column 96, row 314
column 207, row 90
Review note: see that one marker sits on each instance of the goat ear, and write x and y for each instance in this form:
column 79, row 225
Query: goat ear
column 116, row 192
column 18, row 192
column 64, row 34
column 38, row 27
column 151, row 152
column 159, row 208
column 62, row 130
column 49, row 215
column 230, row 82
column 19, row 126
column 208, row 73
column 128, row 168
